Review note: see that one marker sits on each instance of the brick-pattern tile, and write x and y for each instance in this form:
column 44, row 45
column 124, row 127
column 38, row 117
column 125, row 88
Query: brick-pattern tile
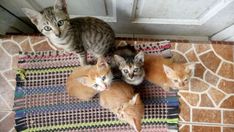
column 11, row 47
column 224, row 51
column 42, row 46
column 228, row 129
column 205, row 115
column 206, row 60
column 190, row 97
column 228, row 103
column 226, row 86
column 228, row 117
column 206, row 129
column 198, row 85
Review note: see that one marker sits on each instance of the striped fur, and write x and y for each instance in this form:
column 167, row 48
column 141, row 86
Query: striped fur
column 82, row 35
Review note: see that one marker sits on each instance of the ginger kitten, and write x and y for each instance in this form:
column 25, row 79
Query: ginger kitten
column 121, row 100
column 86, row 81
column 166, row 73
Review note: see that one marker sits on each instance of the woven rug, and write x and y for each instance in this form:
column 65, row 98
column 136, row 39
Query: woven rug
column 42, row 104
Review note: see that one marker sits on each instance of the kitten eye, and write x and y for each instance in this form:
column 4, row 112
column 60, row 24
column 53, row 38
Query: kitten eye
column 60, row 23
column 136, row 69
column 47, row 28
column 186, row 79
column 103, row 78
column 95, row 85
column 125, row 71
column 175, row 80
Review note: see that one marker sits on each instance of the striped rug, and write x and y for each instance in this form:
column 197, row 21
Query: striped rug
column 41, row 103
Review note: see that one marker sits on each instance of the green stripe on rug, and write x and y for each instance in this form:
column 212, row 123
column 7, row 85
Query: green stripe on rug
column 47, row 70
column 90, row 124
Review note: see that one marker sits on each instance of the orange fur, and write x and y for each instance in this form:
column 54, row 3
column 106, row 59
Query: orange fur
column 76, row 88
column 155, row 72
column 121, row 100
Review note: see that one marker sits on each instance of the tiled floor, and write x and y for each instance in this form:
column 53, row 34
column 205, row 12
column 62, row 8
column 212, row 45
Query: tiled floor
column 206, row 105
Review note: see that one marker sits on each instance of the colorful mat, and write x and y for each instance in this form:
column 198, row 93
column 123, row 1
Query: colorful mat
column 41, row 103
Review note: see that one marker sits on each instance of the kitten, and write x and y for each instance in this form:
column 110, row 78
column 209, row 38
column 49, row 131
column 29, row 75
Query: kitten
column 121, row 100
column 86, row 81
column 82, row 35
column 130, row 63
column 166, row 73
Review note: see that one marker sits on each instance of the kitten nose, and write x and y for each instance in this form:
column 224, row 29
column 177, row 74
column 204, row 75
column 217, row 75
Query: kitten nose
column 131, row 76
column 57, row 33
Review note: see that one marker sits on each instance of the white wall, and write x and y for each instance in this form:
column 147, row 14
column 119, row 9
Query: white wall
column 199, row 18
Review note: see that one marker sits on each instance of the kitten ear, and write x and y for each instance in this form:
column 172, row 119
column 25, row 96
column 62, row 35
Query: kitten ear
column 136, row 124
column 121, row 44
column 134, row 99
column 84, row 81
column 33, row 15
column 139, row 58
column 60, row 5
column 101, row 63
column 169, row 72
column 119, row 60
column 189, row 67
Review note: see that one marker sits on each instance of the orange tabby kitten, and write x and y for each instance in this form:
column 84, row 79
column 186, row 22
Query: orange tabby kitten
column 166, row 73
column 121, row 100
column 86, row 81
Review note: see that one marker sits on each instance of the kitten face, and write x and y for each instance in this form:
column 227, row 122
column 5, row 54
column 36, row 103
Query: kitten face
column 52, row 21
column 100, row 79
column 179, row 74
column 132, row 112
column 132, row 69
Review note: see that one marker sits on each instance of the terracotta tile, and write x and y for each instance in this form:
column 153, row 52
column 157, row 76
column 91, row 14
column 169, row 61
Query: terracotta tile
column 4, row 86
column 228, row 103
column 42, row 46
column 226, row 86
column 185, row 128
column 35, row 39
column 26, row 46
column 8, row 123
column 228, row 117
column 211, row 78
column 198, row 85
column 183, row 47
column 199, row 71
column 9, row 97
column 228, row 129
column 10, row 74
column 201, row 47
column 227, row 70
column 210, row 60
column 13, row 83
column 205, row 115
column 11, row 47
column 191, row 56
column 178, row 57
column 184, row 110
column 5, row 60
column 14, row 64
column 225, row 51
column 206, row 129
column 191, row 98
column 4, row 106
column 19, row 38
column 205, row 101
column 173, row 45
column 216, row 95
column 3, row 114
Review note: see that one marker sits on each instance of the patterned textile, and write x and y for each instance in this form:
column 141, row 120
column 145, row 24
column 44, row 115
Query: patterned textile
column 41, row 103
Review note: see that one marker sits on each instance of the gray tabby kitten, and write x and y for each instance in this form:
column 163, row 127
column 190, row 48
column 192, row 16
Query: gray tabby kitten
column 130, row 63
column 82, row 35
